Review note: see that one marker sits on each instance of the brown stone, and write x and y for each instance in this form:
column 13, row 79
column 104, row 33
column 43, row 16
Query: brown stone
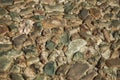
column 115, row 62
column 3, row 30
column 95, row 13
column 77, row 71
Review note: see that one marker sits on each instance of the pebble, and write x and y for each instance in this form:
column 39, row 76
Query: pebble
column 77, row 71
column 75, row 46
column 2, row 12
column 15, row 76
column 19, row 40
column 50, row 45
column 83, row 13
column 5, row 63
column 49, row 68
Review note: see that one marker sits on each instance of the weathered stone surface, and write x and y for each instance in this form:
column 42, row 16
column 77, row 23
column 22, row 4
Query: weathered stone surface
column 77, row 71
column 113, row 62
column 58, row 8
column 65, row 39
column 63, row 69
column 19, row 40
column 15, row 76
column 90, row 76
column 75, row 46
column 50, row 45
column 3, row 29
column 5, row 64
column 49, row 68
column 83, row 13
column 5, row 47
column 115, row 23
column 40, row 77
column 2, row 12
column 6, row 2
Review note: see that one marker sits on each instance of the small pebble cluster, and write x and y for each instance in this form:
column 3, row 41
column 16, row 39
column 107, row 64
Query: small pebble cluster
column 59, row 39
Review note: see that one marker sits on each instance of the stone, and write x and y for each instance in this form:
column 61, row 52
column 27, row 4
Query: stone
column 30, row 51
column 50, row 45
column 26, row 11
column 49, row 68
column 13, row 53
column 78, row 56
column 32, row 60
column 95, row 13
column 5, row 47
column 19, row 40
column 15, row 69
column 38, row 17
column 90, row 76
column 5, row 63
column 40, row 77
column 3, row 29
column 55, row 8
column 63, row 69
column 15, row 76
column 83, row 13
column 118, row 14
column 77, row 70
column 37, row 26
column 6, row 2
column 65, row 39
column 2, row 12
column 115, row 23
column 29, row 73
column 74, row 46
column 115, row 62
column 15, row 16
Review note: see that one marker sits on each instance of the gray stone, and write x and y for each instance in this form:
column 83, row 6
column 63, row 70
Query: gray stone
column 78, row 56
column 118, row 15
column 5, row 63
column 15, row 16
column 49, row 68
column 50, row 45
column 2, row 12
column 13, row 53
column 65, row 38
column 115, row 23
column 15, row 76
column 30, row 51
column 6, row 2
column 83, row 13
column 77, row 71
column 75, row 46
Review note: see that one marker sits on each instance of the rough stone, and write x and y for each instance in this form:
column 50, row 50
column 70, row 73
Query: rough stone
column 75, row 46
column 50, row 45
column 77, row 71
column 5, row 64
column 49, row 68
column 15, row 76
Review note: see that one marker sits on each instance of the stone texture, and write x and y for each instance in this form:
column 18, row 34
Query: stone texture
column 113, row 62
column 15, row 76
column 75, row 46
column 49, row 68
column 77, row 71
column 5, row 64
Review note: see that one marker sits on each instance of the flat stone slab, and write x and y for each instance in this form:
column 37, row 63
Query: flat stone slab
column 77, row 71
column 115, row 62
